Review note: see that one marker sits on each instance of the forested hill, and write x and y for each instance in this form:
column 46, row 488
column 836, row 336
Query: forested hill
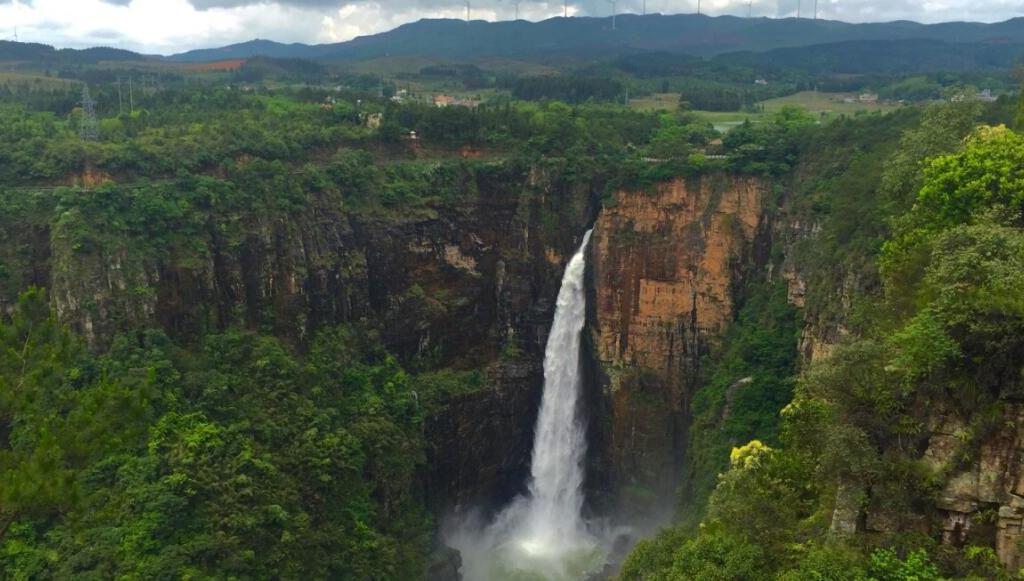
column 588, row 37
column 857, row 57
column 47, row 55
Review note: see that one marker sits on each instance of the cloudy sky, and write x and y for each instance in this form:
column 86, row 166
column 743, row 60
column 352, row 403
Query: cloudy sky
column 167, row 26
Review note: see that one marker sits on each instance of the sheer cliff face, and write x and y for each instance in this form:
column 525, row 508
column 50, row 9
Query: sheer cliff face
column 667, row 267
column 468, row 282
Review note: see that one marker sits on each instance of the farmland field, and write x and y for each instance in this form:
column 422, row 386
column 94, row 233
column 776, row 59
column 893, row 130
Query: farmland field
column 825, row 105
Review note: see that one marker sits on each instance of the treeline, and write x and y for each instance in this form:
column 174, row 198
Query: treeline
column 568, row 89
column 472, row 77
column 705, row 97
column 257, row 69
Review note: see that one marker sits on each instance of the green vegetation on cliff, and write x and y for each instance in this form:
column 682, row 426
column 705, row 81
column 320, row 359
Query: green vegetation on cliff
column 226, row 324
column 747, row 386
column 234, row 458
column 873, row 468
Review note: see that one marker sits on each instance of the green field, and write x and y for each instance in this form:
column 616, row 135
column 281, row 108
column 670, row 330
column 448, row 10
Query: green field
column 656, row 102
column 825, row 105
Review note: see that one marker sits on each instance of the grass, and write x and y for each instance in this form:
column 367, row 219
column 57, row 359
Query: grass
column 722, row 120
column 828, row 104
column 656, row 102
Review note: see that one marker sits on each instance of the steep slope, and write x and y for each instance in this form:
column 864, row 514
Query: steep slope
column 901, row 449
column 885, row 56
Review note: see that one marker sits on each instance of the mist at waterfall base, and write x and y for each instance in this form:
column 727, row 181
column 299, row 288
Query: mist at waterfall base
column 542, row 535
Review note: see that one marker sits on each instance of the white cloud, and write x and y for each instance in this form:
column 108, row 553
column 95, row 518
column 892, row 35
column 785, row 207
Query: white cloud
column 166, row 26
column 154, row 26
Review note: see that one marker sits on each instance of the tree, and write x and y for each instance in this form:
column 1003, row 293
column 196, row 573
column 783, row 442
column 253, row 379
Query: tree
column 56, row 414
column 988, row 171
column 940, row 132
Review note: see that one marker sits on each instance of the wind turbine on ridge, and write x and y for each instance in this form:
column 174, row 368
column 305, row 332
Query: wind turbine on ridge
column 516, row 4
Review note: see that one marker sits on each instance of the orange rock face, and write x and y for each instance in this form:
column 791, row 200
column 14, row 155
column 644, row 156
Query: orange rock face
column 665, row 266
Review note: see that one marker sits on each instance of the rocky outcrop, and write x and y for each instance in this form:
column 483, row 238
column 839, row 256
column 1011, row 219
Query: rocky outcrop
column 821, row 331
column 667, row 267
column 982, row 501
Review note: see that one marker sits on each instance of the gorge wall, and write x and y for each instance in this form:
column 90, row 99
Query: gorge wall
column 669, row 267
column 468, row 283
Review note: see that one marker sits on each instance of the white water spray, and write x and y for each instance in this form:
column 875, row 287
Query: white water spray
column 543, row 535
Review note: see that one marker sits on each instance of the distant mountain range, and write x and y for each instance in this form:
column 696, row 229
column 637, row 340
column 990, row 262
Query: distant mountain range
column 594, row 38
column 755, row 41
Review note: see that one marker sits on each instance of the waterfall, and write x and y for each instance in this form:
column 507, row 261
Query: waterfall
column 559, row 446
column 543, row 534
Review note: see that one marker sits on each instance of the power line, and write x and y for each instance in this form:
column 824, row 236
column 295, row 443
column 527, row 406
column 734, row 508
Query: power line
column 89, row 129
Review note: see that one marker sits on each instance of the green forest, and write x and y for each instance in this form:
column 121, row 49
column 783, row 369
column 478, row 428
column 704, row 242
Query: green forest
column 933, row 220
column 255, row 326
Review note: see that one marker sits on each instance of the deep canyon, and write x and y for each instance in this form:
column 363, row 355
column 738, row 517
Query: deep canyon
column 471, row 284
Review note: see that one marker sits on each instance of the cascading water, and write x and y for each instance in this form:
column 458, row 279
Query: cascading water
column 543, row 535
column 556, row 494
